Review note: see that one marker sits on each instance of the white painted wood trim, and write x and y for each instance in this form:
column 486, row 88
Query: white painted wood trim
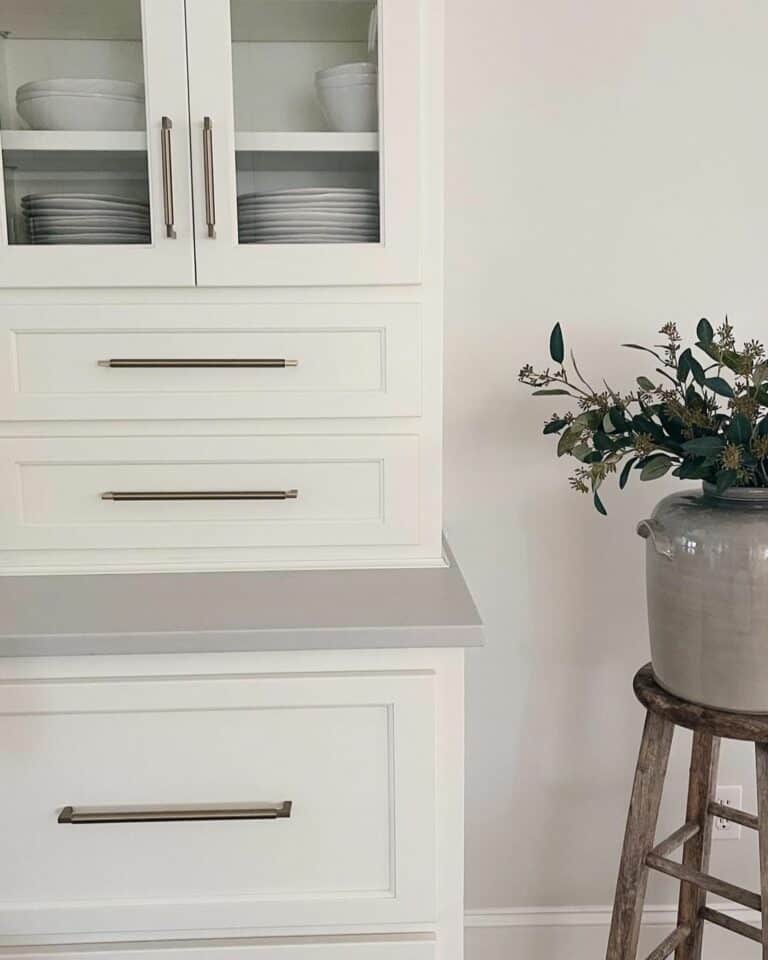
column 586, row 916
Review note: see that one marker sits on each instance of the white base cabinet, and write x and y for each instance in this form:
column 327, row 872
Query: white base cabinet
column 309, row 801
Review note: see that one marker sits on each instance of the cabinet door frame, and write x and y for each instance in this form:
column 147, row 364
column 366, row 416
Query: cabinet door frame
column 222, row 261
column 166, row 261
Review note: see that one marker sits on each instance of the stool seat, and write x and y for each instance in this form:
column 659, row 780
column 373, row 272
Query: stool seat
column 720, row 723
column 642, row 853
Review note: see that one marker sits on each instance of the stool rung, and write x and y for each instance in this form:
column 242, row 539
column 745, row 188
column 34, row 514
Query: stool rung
column 704, row 881
column 676, row 839
column 731, row 813
column 732, row 924
column 673, row 941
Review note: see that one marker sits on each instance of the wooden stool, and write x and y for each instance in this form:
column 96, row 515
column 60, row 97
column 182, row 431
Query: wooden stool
column 640, row 853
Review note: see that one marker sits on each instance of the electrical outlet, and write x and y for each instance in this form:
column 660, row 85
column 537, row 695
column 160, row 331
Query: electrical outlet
column 726, row 829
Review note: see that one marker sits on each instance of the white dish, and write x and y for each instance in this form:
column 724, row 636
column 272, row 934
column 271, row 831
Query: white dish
column 364, row 68
column 93, row 239
column 120, row 88
column 313, row 239
column 267, row 209
column 76, row 229
column 97, row 220
column 32, row 198
column 63, row 206
column 311, row 192
column 351, row 80
column 308, row 216
column 352, row 107
column 309, row 224
column 352, row 234
column 88, row 112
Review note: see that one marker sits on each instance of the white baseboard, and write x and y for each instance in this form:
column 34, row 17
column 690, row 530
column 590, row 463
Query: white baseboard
column 581, row 933
column 654, row 916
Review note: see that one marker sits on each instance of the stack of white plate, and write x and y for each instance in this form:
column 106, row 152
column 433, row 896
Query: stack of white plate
column 73, row 104
column 310, row 215
column 348, row 96
column 85, row 218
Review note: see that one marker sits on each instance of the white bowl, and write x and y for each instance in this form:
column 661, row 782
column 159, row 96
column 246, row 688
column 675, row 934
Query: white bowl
column 351, row 107
column 119, row 88
column 72, row 112
column 356, row 81
column 348, row 69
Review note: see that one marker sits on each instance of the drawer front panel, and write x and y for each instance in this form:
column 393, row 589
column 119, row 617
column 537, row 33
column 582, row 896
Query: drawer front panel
column 329, row 948
column 354, row 755
column 67, row 493
column 342, row 360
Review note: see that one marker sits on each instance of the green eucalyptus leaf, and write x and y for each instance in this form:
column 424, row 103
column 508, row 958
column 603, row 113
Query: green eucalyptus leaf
column 645, row 384
column 554, row 426
column 551, row 392
column 684, row 366
column 704, row 331
column 568, row 440
column 704, row 447
column 719, row 386
column 725, row 479
column 696, row 370
column 762, row 427
column 556, row 345
column 655, row 467
column 696, row 469
column 625, row 472
column 740, row 430
column 599, row 504
column 636, row 346
column 618, row 419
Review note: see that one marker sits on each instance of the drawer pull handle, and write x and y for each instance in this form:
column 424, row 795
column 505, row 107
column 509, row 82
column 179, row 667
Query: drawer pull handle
column 131, row 363
column 256, row 811
column 201, row 495
column 210, row 195
column 167, row 159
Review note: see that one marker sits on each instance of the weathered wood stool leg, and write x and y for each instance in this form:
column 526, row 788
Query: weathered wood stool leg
column 638, row 837
column 702, row 785
column 761, row 756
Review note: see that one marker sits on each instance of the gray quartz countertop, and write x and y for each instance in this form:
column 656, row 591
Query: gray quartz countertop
column 218, row 612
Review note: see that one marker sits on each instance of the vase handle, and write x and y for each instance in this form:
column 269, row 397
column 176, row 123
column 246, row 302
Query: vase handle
column 653, row 530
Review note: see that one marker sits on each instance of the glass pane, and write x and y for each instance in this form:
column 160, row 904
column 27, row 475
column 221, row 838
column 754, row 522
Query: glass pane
column 305, row 76
column 74, row 140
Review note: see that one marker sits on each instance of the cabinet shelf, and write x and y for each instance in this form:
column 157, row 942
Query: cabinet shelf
column 58, row 141
column 311, row 142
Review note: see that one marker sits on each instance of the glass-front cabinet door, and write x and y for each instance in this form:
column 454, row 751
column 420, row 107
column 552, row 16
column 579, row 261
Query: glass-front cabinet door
column 94, row 144
column 305, row 141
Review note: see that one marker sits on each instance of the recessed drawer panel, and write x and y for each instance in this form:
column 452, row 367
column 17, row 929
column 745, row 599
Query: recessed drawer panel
column 196, row 362
column 216, row 804
column 208, row 492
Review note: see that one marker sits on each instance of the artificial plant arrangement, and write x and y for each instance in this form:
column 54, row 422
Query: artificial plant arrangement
column 702, row 415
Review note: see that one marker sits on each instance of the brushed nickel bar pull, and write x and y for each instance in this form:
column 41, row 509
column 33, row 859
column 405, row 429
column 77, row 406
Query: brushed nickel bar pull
column 257, row 363
column 150, row 814
column 210, row 194
column 201, row 495
column 170, row 217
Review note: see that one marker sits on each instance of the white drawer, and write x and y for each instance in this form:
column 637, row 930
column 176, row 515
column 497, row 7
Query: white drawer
column 344, row 360
column 355, row 755
column 335, row 948
column 349, row 490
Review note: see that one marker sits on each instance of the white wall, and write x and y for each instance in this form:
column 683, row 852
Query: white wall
column 608, row 169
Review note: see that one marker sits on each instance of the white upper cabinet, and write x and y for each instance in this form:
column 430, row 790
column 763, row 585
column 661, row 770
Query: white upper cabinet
column 305, row 174
column 94, row 144
column 218, row 142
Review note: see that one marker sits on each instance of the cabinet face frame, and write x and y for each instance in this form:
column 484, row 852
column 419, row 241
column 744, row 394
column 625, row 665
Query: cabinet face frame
column 222, row 261
column 164, row 262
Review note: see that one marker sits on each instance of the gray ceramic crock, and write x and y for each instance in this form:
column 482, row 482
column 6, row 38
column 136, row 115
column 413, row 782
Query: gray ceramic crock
column 707, row 586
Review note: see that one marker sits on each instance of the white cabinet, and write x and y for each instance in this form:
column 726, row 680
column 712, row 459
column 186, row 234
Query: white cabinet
column 221, row 273
column 231, row 85
column 309, row 801
column 131, row 41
